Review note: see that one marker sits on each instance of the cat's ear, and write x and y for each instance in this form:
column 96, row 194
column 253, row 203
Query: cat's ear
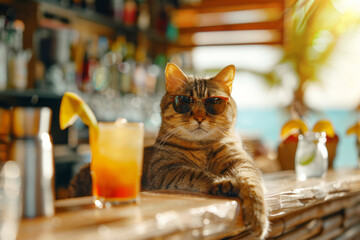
column 175, row 78
column 226, row 77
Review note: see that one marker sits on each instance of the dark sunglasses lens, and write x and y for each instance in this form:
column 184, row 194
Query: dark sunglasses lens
column 183, row 104
column 215, row 105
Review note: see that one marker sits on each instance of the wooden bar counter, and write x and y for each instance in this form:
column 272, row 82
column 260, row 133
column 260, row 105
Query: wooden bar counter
column 317, row 208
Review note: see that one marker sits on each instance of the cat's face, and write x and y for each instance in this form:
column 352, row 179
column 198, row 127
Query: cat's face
column 198, row 109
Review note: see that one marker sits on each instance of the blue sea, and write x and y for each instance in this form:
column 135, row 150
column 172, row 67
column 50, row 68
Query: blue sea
column 265, row 124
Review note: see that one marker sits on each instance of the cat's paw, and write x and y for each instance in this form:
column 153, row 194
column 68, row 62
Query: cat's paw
column 255, row 214
column 225, row 187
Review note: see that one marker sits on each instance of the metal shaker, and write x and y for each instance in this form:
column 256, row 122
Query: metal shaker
column 31, row 147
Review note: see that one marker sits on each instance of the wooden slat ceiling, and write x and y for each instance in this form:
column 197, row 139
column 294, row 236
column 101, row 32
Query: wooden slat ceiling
column 230, row 22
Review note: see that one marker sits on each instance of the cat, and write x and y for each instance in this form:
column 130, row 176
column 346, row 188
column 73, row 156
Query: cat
column 198, row 149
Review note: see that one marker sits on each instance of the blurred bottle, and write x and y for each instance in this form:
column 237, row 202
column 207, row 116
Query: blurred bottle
column 139, row 80
column 162, row 22
column 117, row 53
column 5, row 120
column 130, row 11
column 153, row 73
column 311, row 159
column 126, row 69
column 117, row 7
column 141, row 50
column 143, row 21
column 172, row 32
column 160, row 61
column 86, row 69
column 89, row 65
column 3, row 55
column 17, row 56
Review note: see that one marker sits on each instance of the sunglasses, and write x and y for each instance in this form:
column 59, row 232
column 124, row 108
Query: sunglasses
column 213, row 105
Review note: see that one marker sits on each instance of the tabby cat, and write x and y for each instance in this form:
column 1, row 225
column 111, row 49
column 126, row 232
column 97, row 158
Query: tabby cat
column 197, row 148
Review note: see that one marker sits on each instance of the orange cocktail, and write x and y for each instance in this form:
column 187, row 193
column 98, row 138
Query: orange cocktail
column 116, row 162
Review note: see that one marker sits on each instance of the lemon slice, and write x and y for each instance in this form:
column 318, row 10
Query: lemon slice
column 72, row 107
column 293, row 126
column 307, row 159
column 324, row 126
column 355, row 129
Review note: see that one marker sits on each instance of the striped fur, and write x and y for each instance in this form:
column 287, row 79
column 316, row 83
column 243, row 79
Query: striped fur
column 206, row 157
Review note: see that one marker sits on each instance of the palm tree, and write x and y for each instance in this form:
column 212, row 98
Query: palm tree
column 312, row 28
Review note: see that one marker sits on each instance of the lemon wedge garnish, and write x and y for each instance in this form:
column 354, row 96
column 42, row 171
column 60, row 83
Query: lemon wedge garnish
column 324, row 126
column 355, row 129
column 71, row 108
column 307, row 159
column 293, row 126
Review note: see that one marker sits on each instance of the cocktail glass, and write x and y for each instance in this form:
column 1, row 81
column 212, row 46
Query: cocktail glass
column 116, row 162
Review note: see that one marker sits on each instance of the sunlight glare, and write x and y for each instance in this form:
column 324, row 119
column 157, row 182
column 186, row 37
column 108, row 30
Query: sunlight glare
column 344, row 6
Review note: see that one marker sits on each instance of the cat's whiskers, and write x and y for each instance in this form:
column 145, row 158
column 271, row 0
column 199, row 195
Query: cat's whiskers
column 168, row 134
column 223, row 131
column 165, row 137
column 199, row 128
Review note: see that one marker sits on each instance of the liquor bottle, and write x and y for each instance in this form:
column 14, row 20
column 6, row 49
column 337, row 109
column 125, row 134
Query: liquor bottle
column 117, row 7
column 17, row 56
column 86, row 69
column 143, row 21
column 3, row 55
column 130, row 11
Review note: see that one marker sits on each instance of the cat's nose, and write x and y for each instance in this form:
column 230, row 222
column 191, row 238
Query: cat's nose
column 199, row 119
column 199, row 113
